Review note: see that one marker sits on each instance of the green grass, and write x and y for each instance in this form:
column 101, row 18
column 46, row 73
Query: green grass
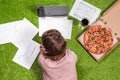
column 87, row 67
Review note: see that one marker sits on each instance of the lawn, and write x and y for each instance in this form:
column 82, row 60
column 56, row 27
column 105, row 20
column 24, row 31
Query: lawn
column 87, row 67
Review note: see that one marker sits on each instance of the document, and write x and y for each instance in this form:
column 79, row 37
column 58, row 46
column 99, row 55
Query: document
column 27, row 54
column 23, row 32
column 20, row 33
column 6, row 31
column 28, row 49
column 83, row 10
column 62, row 24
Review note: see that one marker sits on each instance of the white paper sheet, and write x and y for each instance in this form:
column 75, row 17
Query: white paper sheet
column 82, row 9
column 23, row 32
column 27, row 54
column 22, row 37
column 6, row 31
column 61, row 24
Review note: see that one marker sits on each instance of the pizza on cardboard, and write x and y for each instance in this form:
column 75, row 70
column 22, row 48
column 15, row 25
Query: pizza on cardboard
column 110, row 21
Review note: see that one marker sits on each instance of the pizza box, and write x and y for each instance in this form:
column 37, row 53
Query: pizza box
column 110, row 19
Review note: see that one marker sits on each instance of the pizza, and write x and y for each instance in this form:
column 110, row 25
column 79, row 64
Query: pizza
column 98, row 39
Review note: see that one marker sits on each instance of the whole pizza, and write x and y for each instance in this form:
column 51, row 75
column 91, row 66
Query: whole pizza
column 98, row 39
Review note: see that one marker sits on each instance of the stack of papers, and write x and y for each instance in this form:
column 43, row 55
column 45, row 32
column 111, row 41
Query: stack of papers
column 83, row 10
column 21, row 33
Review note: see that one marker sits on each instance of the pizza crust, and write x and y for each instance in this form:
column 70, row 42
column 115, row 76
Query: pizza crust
column 98, row 39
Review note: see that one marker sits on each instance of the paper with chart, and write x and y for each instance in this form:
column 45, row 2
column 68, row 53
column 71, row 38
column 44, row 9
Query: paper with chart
column 27, row 54
column 82, row 9
column 62, row 24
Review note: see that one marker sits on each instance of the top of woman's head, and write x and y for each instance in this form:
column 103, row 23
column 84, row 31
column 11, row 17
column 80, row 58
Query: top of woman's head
column 53, row 42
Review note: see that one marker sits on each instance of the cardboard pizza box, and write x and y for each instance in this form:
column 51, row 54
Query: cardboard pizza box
column 110, row 19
